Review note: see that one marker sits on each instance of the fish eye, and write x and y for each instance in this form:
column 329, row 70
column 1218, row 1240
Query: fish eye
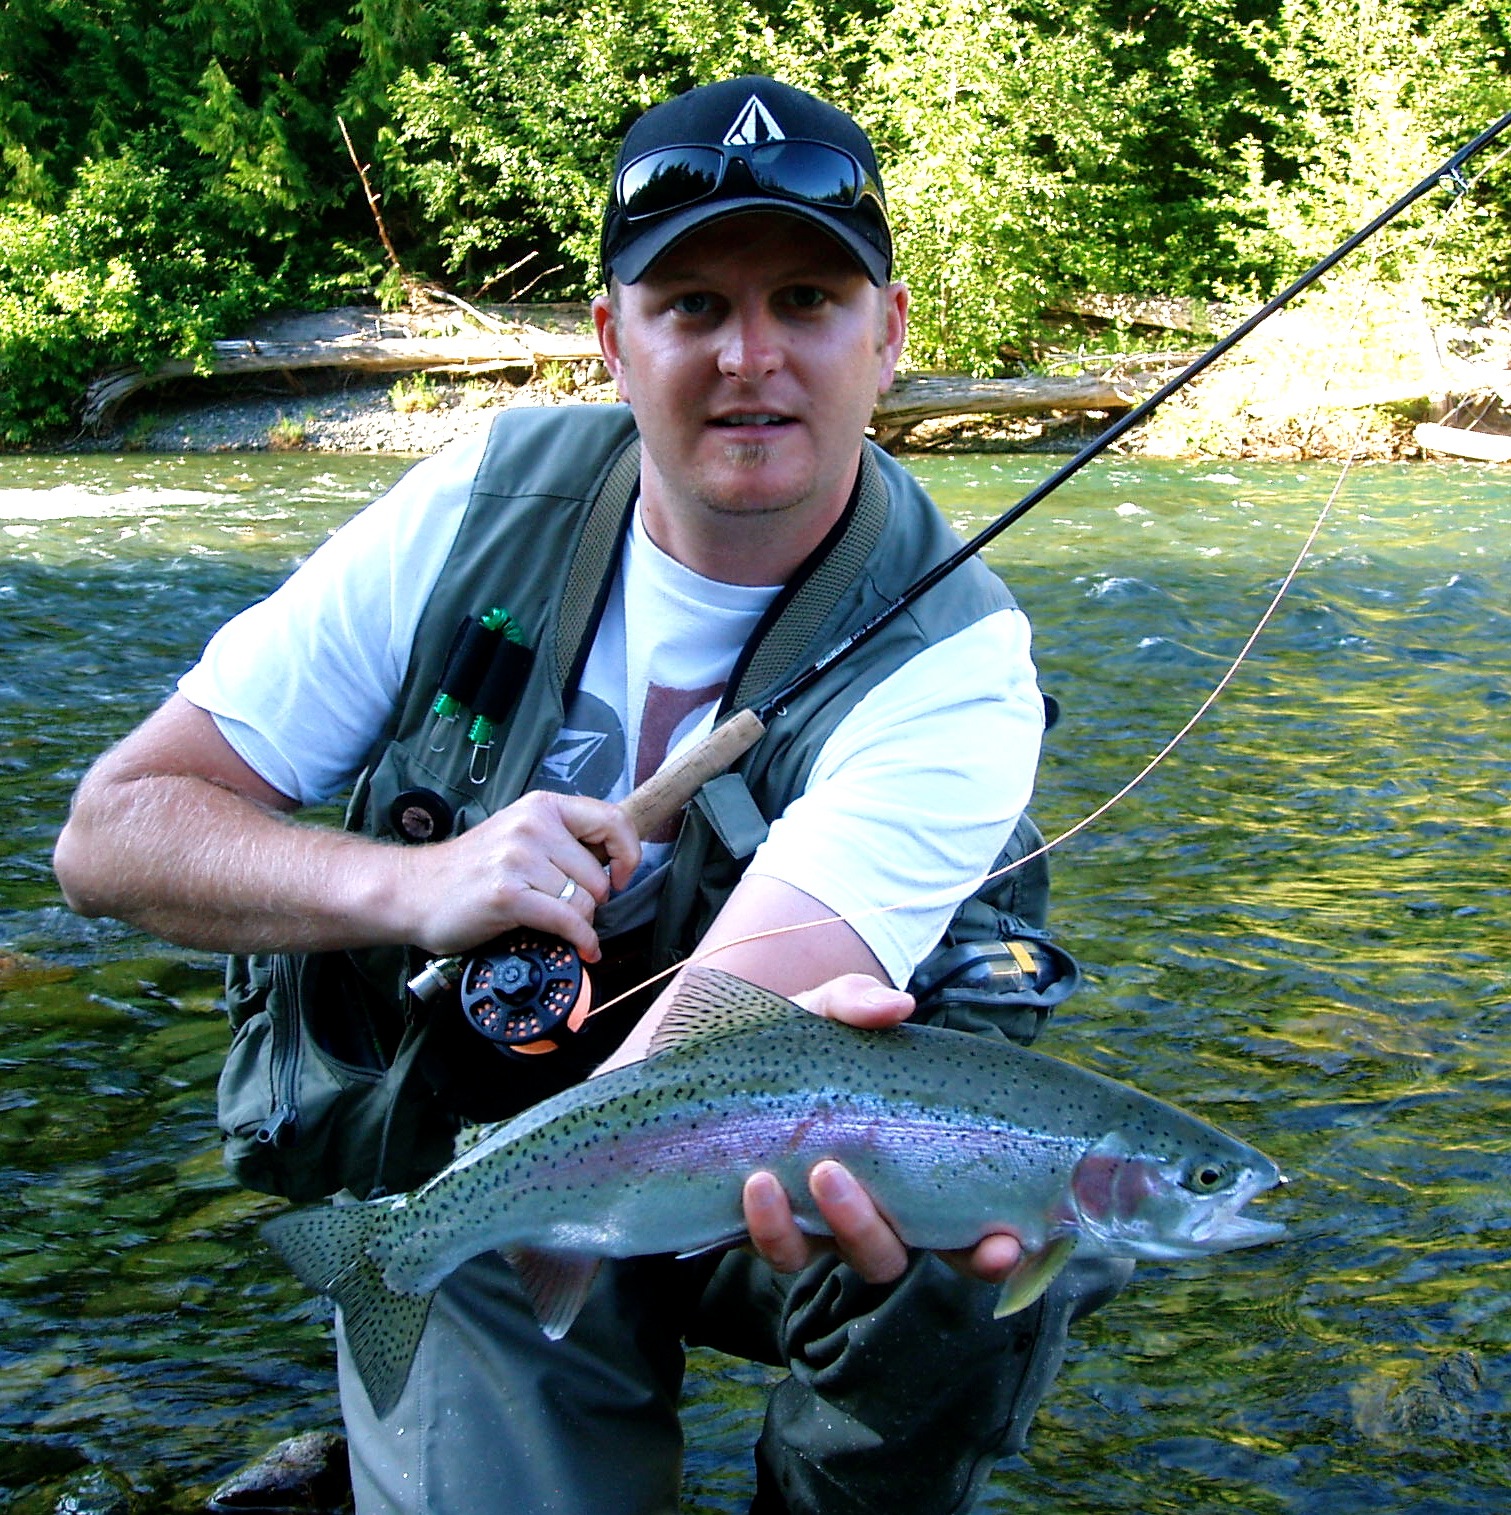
column 1206, row 1178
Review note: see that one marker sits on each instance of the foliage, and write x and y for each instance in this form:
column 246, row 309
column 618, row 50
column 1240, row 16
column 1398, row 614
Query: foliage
column 169, row 168
column 127, row 271
column 506, row 143
column 286, row 435
column 1368, row 86
column 414, row 392
column 1382, row 96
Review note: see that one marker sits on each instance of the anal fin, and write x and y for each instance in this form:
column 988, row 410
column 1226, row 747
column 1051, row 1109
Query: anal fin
column 556, row 1284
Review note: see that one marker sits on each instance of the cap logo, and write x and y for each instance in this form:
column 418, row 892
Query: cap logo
column 754, row 124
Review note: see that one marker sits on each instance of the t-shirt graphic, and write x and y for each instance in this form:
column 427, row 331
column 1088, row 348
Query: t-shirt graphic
column 587, row 756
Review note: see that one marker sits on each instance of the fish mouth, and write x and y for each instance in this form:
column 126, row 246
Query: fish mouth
column 1223, row 1227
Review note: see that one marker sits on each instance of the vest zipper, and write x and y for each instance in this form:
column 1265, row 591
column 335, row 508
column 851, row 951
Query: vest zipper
column 279, row 1127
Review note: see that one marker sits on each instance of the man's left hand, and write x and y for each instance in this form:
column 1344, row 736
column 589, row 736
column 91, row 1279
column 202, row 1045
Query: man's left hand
column 862, row 1235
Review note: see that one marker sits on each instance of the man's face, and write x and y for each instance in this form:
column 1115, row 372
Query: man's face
column 752, row 354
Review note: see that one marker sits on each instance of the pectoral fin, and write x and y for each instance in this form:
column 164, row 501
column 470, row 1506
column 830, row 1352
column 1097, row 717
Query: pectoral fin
column 1035, row 1272
column 556, row 1283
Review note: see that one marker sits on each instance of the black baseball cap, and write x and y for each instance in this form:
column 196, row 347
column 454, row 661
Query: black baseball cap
column 744, row 144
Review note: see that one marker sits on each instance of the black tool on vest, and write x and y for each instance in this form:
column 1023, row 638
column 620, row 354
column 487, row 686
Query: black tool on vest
column 420, row 815
column 484, row 673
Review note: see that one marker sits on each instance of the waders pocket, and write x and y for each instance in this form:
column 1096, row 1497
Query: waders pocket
column 996, row 972
column 1007, row 988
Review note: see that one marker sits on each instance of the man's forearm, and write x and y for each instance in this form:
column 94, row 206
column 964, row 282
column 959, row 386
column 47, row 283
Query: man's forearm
column 204, row 866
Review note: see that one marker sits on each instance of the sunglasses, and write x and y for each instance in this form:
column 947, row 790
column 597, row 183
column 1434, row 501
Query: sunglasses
column 812, row 173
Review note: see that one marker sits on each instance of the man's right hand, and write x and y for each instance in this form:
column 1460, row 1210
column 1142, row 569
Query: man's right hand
column 515, row 870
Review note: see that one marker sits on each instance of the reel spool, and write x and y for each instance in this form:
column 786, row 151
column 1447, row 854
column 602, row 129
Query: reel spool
column 526, row 993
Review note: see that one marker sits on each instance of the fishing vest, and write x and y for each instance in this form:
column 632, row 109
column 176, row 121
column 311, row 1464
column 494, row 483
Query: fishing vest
column 326, row 1085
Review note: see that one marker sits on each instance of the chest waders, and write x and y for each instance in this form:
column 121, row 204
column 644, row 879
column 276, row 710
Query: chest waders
column 338, row 1078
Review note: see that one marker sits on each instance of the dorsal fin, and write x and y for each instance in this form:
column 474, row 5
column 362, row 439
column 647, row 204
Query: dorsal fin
column 709, row 1000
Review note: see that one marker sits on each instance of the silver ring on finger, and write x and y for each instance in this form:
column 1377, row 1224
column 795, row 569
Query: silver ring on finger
column 568, row 889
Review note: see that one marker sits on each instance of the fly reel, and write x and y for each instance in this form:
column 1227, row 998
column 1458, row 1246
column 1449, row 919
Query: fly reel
column 527, row 993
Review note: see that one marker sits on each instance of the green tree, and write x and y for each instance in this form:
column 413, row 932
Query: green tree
column 504, row 146
column 167, row 169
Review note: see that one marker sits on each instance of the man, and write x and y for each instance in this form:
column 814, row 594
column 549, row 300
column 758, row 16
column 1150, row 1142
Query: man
column 750, row 324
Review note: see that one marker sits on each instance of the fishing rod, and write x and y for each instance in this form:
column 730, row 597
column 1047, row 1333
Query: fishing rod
column 527, row 993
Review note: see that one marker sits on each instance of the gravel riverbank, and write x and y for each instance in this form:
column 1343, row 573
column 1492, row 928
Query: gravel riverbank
column 351, row 416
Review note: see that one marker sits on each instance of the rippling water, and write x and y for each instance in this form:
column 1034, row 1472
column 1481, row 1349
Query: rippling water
column 1298, row 926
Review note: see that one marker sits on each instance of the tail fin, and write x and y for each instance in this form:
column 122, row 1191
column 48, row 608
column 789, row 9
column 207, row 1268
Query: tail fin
column 328, row 1250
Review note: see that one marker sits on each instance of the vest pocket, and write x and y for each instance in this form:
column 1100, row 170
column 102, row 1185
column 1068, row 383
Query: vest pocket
column 295, row 1115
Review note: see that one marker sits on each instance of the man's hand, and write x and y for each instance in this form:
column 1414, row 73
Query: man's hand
column 173, row 831
column 862, row 1235
column 858, row 999
column 537, row 862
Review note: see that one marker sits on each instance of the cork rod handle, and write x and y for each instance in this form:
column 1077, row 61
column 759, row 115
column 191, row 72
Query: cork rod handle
column 662, row 795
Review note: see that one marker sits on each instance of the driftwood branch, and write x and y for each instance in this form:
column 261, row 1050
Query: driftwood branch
column 923, row 397
column 1175, row 313
column 927, row 397
column 372, row 199
column 474, row 353
column 483, row 319
column 1460, row 442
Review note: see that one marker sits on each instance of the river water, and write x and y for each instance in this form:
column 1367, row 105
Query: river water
column 1299, row 926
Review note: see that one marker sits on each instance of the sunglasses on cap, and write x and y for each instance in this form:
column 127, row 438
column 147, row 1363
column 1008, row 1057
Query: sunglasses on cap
column 812, row 173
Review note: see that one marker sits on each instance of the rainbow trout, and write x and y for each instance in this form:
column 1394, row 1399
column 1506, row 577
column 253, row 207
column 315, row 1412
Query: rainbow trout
column 953, row 1135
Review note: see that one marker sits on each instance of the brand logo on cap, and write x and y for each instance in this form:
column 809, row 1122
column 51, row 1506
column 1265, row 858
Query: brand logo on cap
column 754, row 124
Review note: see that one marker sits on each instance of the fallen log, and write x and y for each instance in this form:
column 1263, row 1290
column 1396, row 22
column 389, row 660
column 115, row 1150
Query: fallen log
column 927, row 397
column 468, row 352
column 912, row 398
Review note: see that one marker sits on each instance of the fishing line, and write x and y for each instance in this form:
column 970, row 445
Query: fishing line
column 1433, row 1067
column 510, row 979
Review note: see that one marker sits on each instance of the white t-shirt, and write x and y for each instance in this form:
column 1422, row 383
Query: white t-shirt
column 906, row 806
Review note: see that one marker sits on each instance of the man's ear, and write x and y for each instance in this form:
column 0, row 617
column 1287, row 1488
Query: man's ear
column 894, row 332
column 606, row 324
